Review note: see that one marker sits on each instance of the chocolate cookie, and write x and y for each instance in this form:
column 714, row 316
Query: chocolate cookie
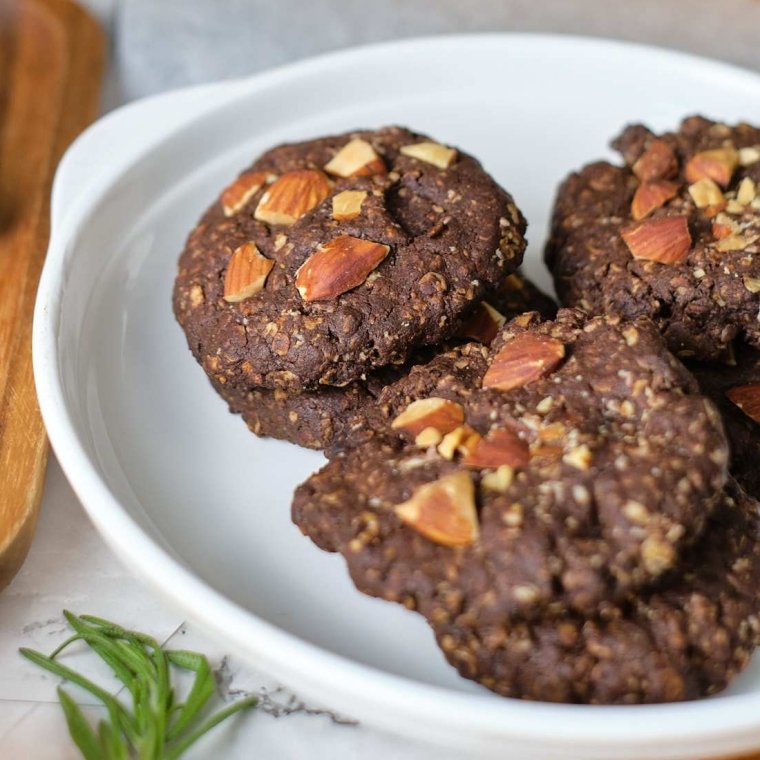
column 734, row 387
column 563, row 467
column 328, row 259
column 322, row 418
column 672, row 235
column 685, row 638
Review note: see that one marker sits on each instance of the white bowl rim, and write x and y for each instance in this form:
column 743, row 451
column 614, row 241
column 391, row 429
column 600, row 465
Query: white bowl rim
column 649, row 725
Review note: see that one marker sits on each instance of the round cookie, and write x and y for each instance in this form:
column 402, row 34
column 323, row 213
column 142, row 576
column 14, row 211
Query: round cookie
column 673, row 234
column 735, row 389
column 331, row 258
column 566, row 465
column 685, row 638
column 322, row 418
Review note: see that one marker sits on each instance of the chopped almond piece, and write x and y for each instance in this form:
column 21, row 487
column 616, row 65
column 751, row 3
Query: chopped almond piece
column 483, row 324
column 652, row 195
column 246, row 273
column 746, row 192
column 348, row 204
column 718, row 165
column 338, row 266
column 657, row 162
column 666, row 240
column 356, row 158
column 525, row 358
column 497, row 448
column 237, row 194
column 747, row 398
column 443, row 511
column 431, row 153
column 706, row 193
column 291, row 196
column 438, row 413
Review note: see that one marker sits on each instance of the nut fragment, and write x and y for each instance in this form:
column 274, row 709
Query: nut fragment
column 651, row 195
column 435, row 412
column 733, row 243
column 499, row 480
column 462, row 439
column 718, row 164
column 579, row 457
column 747, row 398
column 291, row 196
column 443, row 511
column 525, row 358
column 483, row 324
column 665, row 239
column 746, row 192
column 500, row 446
column 348, row 204
column 432, row 153
column 338, row 266
column 749, row 156
column 356, row 158
column 752, row 284
column 656, row 162
column 430, row 436
column 237, row 194
column 246, row 273
column 705, row 193
column 723, row 226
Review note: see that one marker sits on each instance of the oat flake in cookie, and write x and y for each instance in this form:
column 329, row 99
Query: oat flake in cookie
column 324, row 417
column 331, row 258
column 558, row 470
column 673, row 234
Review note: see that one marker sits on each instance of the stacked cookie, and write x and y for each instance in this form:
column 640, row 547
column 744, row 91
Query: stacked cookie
column 324, row 267
column 674, row 234
column 549, row 490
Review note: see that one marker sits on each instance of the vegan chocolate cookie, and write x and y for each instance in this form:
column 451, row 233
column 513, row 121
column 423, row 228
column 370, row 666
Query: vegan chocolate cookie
column 673, row 234
column 684, row 638
column 561, row 468
column 322, row 418
column 328, row 259
column 734, row 387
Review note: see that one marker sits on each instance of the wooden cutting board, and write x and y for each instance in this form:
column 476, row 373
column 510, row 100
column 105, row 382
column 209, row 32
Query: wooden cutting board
column 51, row 65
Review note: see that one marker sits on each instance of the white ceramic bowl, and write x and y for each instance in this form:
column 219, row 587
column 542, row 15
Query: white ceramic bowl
column 198, row 505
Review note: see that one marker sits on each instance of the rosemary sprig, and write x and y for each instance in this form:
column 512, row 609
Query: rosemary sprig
column 157, row 727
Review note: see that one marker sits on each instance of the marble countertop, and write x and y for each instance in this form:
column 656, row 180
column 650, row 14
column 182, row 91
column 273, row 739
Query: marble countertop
column 69, row 565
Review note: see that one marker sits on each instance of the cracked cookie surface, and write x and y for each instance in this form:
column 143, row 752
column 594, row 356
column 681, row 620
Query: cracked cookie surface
column 331, row 258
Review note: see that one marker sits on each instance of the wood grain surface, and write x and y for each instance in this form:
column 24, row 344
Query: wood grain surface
column 51, row 65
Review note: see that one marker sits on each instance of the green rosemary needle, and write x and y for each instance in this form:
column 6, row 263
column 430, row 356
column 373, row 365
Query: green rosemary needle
column 155, row 726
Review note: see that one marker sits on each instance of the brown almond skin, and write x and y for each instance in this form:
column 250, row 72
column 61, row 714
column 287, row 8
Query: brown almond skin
column 498, row 447
column 338, row 266
column 650, row 196
column 658, row 161
column 747, row 398
column 522, row 360
column 292, row 195
column 235, row 196
column 666, row 239
column 718, row 165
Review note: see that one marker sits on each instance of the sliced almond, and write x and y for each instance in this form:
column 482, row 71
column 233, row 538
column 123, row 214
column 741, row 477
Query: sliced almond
column 443, row 511
column 718, row 165
column 652, row 195
column 246, row 273
column 656, row 162
column 348, row 204
column 338, row 266
column 499, row 447
column 747, row 398
column 431, row 153
column 435, row 412
column 356, row 158
column 525, row 358
column 706, row 193
column 237, row 194
column 666, row 239
column 292, row 195
column 483, row 324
